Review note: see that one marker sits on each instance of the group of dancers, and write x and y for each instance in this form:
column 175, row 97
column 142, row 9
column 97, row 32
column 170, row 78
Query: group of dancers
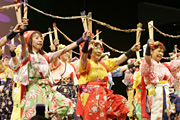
column 81, row 89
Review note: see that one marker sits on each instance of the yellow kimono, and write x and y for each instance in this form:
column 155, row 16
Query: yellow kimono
column 16, row 93
column 95, row 72
column 95, row 100
column 16, row 96
column 5, row 72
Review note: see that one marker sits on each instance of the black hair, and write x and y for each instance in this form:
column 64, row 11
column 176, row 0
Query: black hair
column 41, row 51
column 159, row 46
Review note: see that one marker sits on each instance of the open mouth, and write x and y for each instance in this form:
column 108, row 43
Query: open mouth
column 39, row 44
column 159, row 56
column 98, row 55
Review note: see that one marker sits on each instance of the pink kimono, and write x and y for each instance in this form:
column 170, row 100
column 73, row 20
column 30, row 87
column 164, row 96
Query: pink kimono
column 158, row 78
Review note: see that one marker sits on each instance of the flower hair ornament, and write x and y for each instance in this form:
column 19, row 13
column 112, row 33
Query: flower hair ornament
column 156, row 43
column 61, row 46
column 93, row 42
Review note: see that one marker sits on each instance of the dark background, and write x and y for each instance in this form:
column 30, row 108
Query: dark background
column 124, row 14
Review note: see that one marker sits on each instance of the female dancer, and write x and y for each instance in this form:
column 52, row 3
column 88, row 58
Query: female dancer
column 95, row 100
column 65, row 80
column 37, row 76
column 158, row 78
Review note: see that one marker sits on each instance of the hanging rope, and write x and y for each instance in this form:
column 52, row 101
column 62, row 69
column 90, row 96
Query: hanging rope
column 166, row 35
column 76, row 52
column 77, row 17
column 54, row 16
column 113, row 48
column 114, row 28
column 65, row 36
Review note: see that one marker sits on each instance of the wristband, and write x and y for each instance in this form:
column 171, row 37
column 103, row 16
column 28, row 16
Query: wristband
column 11, row 35
column 79, row 41
column 13, row 54
column 129, row 53
column 148, row 50
column 22, row 32
column 85, row 47
column 130, row 65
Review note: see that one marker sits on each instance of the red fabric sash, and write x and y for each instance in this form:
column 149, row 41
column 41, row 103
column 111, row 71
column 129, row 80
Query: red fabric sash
column 23, row 93
column 144, row 114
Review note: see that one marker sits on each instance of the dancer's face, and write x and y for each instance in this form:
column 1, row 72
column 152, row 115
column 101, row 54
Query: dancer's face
column 96, row 52
column 37, row 42
column 157, row 54
column 6, row 61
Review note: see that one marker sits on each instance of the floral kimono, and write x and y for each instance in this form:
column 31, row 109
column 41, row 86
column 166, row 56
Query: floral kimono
column 177, row 90
column 140, row 96
column 158, row 78
column 6, row 102
column 65, row 81
column 36, row 75
column 95, row 100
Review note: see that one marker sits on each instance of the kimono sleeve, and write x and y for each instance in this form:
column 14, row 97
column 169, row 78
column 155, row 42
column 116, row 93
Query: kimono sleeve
column 117, row 73
column 13, row 66
column 110, row 63
column 147, row 70
column 173, row 66
column 88, row 66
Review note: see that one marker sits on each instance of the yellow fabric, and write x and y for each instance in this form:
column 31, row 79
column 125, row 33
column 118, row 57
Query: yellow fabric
column 2, row 74
column 97, row 71
column 152, row 91
column 8, row 73
column 130, row 94
column 17, row 50
column 163, row 82
column 84, row 98
column 137, row 80
column 16, row 113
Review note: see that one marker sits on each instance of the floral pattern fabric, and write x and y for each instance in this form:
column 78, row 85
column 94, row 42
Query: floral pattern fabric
column 37, row 75
column 177, row 89
column 65, row 82
column 6, row 102
column 95, row 100
column 158, row 78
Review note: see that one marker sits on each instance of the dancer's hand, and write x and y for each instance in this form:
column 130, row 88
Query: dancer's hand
column 137, row 63
column 12, row 47
column 56, row 42
column 136, row 47
column 86, row 35
column 52, row 47
column 20, row 26
column 150, row 42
